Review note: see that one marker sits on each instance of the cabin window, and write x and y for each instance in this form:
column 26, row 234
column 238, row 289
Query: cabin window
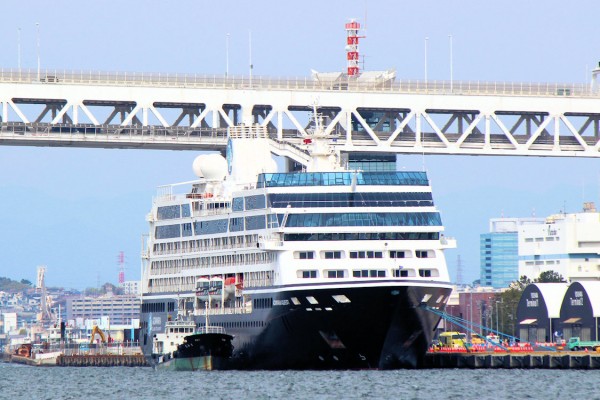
column 366, row 254
column 305, row 255
column 329, row 255
column 307, row 274
column 335, row 273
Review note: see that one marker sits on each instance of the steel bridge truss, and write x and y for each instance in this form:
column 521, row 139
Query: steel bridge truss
column 557, row 123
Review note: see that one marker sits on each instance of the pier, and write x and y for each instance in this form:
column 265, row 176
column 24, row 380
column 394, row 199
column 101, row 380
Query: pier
column 107, row 360
column 507, row 360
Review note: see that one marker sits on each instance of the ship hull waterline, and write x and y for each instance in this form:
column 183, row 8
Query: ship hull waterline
column 381, row 326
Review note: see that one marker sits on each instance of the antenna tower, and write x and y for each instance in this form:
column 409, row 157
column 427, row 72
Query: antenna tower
column 352, row 54
column 121, row 263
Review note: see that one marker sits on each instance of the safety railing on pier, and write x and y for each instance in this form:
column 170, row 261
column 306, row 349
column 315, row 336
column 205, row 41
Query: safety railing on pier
column 56, row 77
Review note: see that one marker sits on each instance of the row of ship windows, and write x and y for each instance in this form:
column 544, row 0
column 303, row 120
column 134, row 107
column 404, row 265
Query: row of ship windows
column 188, row 283
column 219, row 243
column 541, row 239
column 368, row 273
column 255, row 222
column 320, row 237
column 548, row 262
column 158, row 307
column 395, row 178
column 308, row 200
column 338, row 254
column 175, row 266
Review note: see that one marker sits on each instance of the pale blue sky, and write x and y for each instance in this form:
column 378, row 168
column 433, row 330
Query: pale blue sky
column 73, row 210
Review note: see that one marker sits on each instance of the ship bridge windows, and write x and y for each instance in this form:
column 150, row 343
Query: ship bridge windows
column 387, row 178
column 364, row 219
column 236, row 224
column 167, row 231
column 366, row 254
column 368, row 273
column 186, row 229
column 355, row 199
column 211, row 227
column 168, row 212
column 255, row 222
column 256, row 202
column 238, row 204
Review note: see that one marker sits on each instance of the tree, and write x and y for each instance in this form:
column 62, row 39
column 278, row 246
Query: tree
column 26, row 282
column 549, row 276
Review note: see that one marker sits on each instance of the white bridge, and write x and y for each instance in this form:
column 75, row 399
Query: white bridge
column 192, row 112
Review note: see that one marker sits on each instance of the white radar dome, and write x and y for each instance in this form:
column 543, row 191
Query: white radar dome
column 210, row 166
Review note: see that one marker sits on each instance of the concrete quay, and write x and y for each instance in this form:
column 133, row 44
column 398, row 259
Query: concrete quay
column 530, row 360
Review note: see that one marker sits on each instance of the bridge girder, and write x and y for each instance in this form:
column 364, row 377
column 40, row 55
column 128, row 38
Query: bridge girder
column 475, row 120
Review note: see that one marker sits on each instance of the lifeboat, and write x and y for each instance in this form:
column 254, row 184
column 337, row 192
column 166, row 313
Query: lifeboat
column 202, row 288
column 230, row 287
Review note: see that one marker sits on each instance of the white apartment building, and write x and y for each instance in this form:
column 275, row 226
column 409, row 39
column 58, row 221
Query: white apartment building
column 566, row 243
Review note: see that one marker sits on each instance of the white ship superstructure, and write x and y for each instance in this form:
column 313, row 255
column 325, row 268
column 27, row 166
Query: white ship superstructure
column 323, row 268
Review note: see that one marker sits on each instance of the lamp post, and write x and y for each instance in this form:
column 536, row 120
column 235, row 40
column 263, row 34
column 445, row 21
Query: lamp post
column 227, row 56
column 250, row 54
column 37, row 26
column 19, row 49
column 497, row 315
column 451, row 66
column 426, row 42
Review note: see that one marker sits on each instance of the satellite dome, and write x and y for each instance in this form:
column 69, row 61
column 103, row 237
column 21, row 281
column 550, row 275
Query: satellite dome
column 210, row 166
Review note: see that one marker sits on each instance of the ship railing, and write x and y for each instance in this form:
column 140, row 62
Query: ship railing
column 270, row 241
column 447, row 242
column 211, row 329
column 205, row 248
column 224, row 310
column 76, row 349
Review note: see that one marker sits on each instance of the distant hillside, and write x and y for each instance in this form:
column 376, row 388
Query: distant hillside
column 8, row 285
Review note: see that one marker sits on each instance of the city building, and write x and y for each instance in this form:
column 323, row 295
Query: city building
column 131, row 288
column 499, row 251
column 568, row 244
column 120, row 310
column 473, row 305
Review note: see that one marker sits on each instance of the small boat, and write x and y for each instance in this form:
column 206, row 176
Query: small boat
column 209, row 348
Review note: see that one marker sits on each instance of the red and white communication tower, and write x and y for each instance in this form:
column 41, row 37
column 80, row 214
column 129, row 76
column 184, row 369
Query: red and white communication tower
column 352, row 54
column 121, row 262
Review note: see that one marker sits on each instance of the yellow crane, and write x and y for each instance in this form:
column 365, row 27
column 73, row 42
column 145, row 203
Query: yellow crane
column 98, row 331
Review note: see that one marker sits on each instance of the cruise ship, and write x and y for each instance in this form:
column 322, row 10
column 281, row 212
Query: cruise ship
column 323, row 268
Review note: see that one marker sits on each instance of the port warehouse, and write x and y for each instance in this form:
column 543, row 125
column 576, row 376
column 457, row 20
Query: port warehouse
column 571, row 310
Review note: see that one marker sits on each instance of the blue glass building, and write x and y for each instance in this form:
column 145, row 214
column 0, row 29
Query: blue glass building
column 499, row 251
column 499, row 254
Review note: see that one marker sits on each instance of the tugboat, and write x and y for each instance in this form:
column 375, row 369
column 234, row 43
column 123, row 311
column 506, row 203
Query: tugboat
column 207, row 349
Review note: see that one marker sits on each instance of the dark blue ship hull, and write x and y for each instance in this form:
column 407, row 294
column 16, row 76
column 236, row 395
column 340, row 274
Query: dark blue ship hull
column 367, row 326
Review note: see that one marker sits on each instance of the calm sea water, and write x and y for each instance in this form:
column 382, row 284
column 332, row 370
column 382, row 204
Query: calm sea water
column 22, row 382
